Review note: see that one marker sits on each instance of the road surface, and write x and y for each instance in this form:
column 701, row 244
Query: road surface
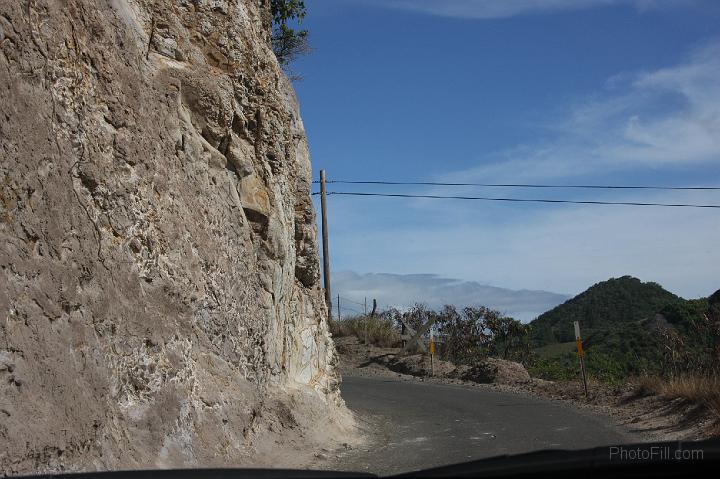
column 416, row 425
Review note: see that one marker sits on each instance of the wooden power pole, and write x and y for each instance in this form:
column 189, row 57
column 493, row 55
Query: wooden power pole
column 326, row 254
column 338, row 306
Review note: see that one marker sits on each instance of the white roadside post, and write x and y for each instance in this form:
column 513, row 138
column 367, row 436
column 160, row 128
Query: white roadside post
column 581, row 355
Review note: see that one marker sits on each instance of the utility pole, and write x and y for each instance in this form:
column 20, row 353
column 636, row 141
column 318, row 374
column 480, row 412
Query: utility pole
column 326, row 248
column 365, row 318
column 339, row 308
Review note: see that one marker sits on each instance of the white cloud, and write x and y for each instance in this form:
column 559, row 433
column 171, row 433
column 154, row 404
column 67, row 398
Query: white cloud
column 664, row 121
column 690, row 133
column 564, row 249
column 508, row 8
column 664, row 118
column 435, row 291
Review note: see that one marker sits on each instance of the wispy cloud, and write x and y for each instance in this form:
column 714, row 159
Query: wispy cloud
column 435, row 291
column 664, row 118
column 564, row 249
column 665, row 121
column 508, row 8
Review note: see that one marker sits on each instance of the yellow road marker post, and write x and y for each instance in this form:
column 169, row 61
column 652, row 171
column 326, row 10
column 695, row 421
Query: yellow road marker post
column 581, row 355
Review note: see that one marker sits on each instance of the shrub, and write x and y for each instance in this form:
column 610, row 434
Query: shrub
column 551, row 369
column 473, row 333
column 379, row 330
column 464, row 336
column 288, row 43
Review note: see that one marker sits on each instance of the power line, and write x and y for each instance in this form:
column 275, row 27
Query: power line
column 351, row 301
column 524, row 185
column 521, row 200
column 347, row 308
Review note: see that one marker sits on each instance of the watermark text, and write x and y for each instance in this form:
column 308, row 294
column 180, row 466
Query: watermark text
column 654, row 453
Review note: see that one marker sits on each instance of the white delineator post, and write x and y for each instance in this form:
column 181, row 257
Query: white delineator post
column 581, row 355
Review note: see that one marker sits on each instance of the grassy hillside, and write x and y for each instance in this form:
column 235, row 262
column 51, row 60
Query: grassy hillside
column 602, row 308
column 628, row 327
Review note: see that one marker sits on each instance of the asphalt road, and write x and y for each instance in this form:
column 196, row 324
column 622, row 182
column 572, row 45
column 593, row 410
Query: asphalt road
column 415, row 425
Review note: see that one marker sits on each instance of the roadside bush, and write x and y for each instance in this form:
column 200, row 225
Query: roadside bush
column 599, row 365
column 379, row 330
column 551, row 369
column 473, row 333
column 463, row 336
column 415, row 316
column 605, row 368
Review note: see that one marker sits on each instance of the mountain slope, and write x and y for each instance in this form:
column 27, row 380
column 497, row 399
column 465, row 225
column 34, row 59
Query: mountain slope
column 628, row 328
column 602, row 307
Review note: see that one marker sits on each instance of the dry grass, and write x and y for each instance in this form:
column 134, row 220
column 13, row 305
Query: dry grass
column 696, row 389
column 379, row 331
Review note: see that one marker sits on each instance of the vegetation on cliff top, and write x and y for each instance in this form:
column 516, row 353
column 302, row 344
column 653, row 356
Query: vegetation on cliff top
column 288, row 43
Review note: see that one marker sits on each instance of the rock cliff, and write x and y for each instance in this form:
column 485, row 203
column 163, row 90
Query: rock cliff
column 159, row 289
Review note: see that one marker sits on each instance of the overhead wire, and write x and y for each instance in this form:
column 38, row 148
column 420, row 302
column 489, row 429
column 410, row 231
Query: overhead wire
column 522, row 200
column 351, row 301
column 526, row 185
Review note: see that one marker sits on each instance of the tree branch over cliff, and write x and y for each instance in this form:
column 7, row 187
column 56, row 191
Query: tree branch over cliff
column 287, row 42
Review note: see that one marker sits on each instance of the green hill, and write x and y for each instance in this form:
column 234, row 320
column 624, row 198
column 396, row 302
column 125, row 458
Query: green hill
column 622, row 321
column 604, row 308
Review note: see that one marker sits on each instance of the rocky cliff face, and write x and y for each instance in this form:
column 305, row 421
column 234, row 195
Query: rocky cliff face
column 159, row 289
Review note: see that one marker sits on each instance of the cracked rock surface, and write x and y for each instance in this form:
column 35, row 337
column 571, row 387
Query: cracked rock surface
column 159, row 285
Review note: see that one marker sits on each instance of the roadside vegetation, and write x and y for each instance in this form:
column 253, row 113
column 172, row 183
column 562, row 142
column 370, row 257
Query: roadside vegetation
column 646, row 340
column 697, row 389
column 680, row 339
column 377, row 330
column 463, row 336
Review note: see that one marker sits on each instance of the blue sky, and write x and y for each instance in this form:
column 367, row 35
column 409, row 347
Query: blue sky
column 547, row 91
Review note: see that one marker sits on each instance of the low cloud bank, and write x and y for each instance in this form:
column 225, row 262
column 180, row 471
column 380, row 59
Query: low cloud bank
column 403, row 290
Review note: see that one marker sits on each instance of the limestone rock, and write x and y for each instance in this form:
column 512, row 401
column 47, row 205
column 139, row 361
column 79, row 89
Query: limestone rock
column 498, row 371
column 489, row 370
column 159, row 279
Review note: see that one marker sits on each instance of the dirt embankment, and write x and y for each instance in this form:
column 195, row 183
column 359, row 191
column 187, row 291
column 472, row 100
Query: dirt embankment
column 654, row 417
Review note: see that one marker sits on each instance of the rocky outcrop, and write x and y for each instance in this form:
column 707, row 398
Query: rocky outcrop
column 496, row 371
column 159, row 283
column 486, row 371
